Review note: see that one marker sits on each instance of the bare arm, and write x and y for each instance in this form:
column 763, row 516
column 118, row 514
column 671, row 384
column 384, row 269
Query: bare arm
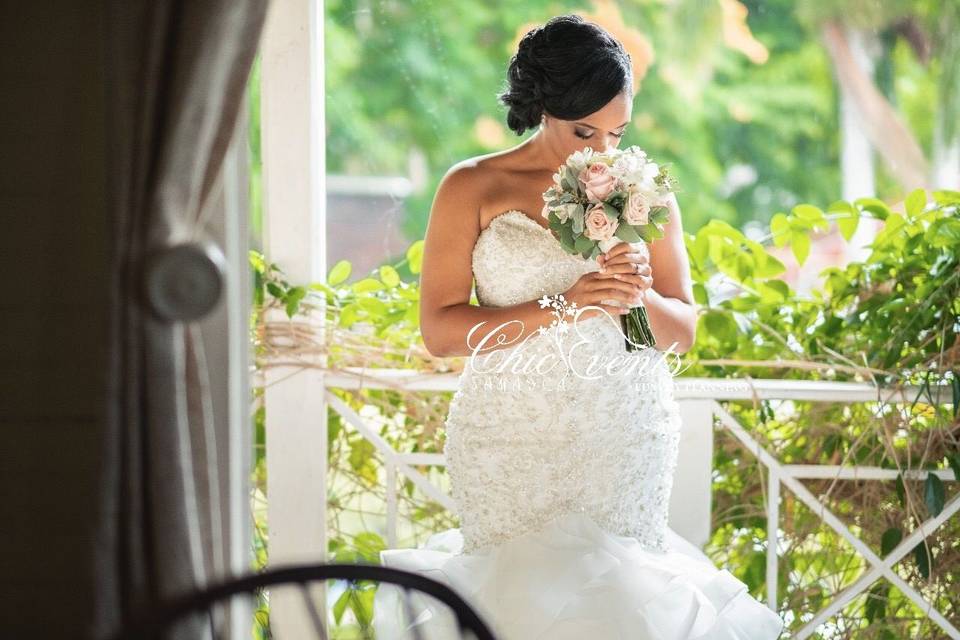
column 446, row 315
column 670, row 304
column 665, row 280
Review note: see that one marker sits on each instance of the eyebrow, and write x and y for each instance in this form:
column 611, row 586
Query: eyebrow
column 587, row 124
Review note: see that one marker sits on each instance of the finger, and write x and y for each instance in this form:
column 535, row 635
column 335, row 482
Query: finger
column 610, row 283
column 633, row 278
column 625, row 258
column 617, row 249
column 627, row 268
column 626, row 297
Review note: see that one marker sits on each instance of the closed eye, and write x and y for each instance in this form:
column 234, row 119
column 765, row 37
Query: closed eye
column 580, row 135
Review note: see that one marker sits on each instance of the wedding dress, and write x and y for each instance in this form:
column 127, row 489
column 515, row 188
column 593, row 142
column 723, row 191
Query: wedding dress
column 562, row 489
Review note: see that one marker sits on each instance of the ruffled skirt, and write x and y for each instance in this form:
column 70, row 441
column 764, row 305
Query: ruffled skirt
column 573, row 580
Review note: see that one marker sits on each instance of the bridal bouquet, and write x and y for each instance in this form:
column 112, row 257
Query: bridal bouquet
column 598, row 200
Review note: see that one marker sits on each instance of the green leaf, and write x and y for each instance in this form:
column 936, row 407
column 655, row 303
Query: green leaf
column 720, row 325
column 915, row 203
column 415, row 256
column 699, row 247
column 650, row 232
column 362, row 605
column 389, row 276
column 875, row 606
column 890, row 539
column 292, row 300
column 611, row 211
column 367, row 285
column 923, row 562
column 339, row 272
column 659, row 215
column 946, row 197
column 577, row 222
column 944, row 232
column 767, row 266
column 257, row 260
column 812, row 216
column 700, row 297
column 340, row 606
column 582, row 244
column 901, row 490
column 780, row 228
column 953, row 459
column 933, row 494
column 573, row 183
column 627, row 233
column 373, row 306
column 955, row 390
column 774, row 291
column 369, row 544
column 800, row 244
column 877, row 207
column 349, row 315
column 412, row 316
column 849, row 220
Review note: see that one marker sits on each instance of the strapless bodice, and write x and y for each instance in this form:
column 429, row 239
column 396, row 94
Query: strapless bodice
column 516, row 259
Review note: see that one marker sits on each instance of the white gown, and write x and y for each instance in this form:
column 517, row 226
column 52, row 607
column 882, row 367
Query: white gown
column 562, row 489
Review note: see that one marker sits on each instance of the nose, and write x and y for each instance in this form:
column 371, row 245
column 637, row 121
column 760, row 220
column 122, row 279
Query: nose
column 605, row 143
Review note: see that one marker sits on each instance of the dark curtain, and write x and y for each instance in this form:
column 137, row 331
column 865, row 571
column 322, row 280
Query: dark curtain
column 177, row 71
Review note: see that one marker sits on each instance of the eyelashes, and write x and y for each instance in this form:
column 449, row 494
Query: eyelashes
column 583, row 137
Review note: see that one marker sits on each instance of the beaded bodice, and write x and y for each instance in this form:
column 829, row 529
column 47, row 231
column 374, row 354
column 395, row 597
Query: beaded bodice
column 524, row 446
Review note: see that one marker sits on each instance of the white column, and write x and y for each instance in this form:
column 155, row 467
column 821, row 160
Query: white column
column 292, row 124
column 690, row 499
column 856, row 152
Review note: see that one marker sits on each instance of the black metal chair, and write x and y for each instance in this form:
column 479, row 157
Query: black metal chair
column 158, row 624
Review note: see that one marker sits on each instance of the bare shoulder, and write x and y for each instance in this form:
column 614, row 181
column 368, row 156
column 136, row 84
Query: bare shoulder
column 466, row 186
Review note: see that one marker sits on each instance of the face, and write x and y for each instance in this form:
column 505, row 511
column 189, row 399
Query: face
column 600, row 130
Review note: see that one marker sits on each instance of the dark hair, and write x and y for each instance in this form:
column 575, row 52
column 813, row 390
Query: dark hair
column 568, row 68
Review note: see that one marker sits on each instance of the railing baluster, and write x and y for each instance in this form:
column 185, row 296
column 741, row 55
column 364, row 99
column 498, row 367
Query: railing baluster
column 315, row 618
column 391, row 480
column 773, row 536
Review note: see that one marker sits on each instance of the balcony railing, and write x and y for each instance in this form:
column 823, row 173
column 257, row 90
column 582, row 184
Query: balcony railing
column 700, row 401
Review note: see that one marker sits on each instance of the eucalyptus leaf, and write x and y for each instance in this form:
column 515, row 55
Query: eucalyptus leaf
column 627, row 233
column 583, row 243
column 577, row 222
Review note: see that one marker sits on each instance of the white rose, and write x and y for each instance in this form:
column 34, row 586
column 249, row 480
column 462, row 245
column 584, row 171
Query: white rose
column 578, row 159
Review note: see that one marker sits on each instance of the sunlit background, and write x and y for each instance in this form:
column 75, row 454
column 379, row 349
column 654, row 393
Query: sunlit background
column 757, row 106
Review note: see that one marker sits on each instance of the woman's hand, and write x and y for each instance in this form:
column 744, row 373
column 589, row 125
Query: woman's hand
column 626, row 265
column 592, row 287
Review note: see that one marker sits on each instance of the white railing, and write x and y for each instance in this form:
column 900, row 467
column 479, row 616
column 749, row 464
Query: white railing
column 699, row 400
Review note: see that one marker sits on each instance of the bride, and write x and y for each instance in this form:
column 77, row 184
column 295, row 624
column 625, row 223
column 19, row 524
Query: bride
column 561, row 478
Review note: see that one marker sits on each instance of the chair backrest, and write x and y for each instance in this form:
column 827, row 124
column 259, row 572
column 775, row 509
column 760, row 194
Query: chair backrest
column 199, row 606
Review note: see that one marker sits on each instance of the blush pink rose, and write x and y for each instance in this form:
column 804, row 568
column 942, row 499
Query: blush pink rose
column 597, row 181
column 597, row 226
column 636, row 211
